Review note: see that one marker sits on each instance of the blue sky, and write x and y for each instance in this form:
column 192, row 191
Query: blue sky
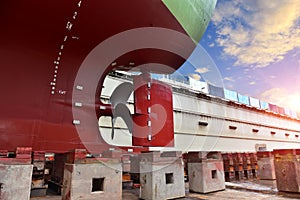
column 255, row 45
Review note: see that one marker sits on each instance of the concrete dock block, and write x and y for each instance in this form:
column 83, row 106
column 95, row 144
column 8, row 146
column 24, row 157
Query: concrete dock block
column 266, row 167
column 161, row 176
column 206, row 172
column 15, row 181
column 97, row 180
column 287, row 169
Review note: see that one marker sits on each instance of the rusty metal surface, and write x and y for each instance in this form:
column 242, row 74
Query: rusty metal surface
column 287, row 170
column 254, row 164
column 22, row 155
column 228, row 167
column 266, row 169
column 264, row 154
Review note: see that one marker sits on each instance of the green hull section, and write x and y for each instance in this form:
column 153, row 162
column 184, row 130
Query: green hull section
column 193, row 15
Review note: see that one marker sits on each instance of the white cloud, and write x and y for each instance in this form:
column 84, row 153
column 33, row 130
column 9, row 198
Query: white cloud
column 229, row 9
column 282, row 97
column 258, row 32
column 197, row 77
column 211, row 45
column 252, row 83
column 229, row 86
column 274, row 95
column 202, row 70
column 246, row 70
column 229, row 79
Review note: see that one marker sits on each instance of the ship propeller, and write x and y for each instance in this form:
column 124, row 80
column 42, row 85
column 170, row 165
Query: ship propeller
column 118, row 101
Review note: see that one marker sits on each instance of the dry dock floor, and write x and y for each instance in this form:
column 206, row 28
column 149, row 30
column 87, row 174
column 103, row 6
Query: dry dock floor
column 239, row 191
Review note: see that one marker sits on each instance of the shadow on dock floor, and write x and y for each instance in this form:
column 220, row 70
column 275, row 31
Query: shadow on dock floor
column 234, row 191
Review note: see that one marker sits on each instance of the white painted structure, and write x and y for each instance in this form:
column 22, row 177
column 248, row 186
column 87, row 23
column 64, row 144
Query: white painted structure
column 203, row 123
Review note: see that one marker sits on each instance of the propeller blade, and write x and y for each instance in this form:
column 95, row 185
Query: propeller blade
column 118, row 101
column 121, row 93
column 113, row 120
column 123, row 111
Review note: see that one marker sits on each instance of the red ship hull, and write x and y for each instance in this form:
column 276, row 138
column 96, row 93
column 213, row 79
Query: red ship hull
column 43, row 45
